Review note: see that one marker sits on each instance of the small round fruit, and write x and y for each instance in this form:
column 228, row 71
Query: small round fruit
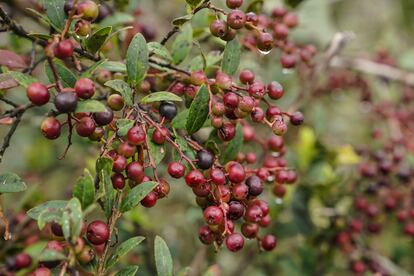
column 103, row 118
column 217, row 176
column 85, row 88
column 234, row 242
column 236, row 210
column 97, row 232
column 218, row 28
column 205, row 159
column 85, row 127
column 86, row 256
column 269, row 242
column 23, row 260
column 297, row 118
column 64, row 49
column 50, row 128
column 168, row 110
column 56, row 229
column 89, row 10
column 213, row 215
column 115, row 102
column 234, row 4
column 136, row 135
column 135, row 171
column 227, row 132
column 236, row 172
column 265, row 42
column 275, row 90
column 119, row 164
column 236, row 19
column 159, row 136
column 118, row 181
column 38, row 93
column 126, row 150
column 205, row 235
column 149, row 200
column 194, row 178
column 247, row 77
column 176, row 169
column 42, row 271
column 255, row 185
column 66, row 102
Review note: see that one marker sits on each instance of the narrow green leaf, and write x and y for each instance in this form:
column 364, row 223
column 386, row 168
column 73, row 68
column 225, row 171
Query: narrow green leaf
column 122, row 250
column 198, row 111
column 23, row 79
column 160, row 96
column 123, row 126
column 88, row 73
column 52, row 205
column 55, row 12
column 137, row 60
column 72, row 220
column 234, row 146
column 47, row 216
column 11, row 183
column 65, row 74
column 104, row 163
column 163, row 259
column 130, row 270
column 255, row 6
column 293, row 3
column 117, row 19
column 231, row 57
column 90, row 106
column 114, row 66
column 84, row 189
column 182, row 44
column 180, row 120
column 49, row 255
column 103, row 170
column 98, row 39
column 179, row 21
column 157, row 151
column 136, row 194
column 159, row 50
column 123, row 88
column 193, row 3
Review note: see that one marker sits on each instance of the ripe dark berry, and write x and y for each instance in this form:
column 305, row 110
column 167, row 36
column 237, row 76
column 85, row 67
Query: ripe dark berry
column 38, row 93
column 265, row 42
column 194, row 178
column 213, row 215
column 85, row 88
column 297, row 118
column 255, row 185
column 162, row 189
column 250, row 230
column 275, row 90
column 50, row 128
column 126, row 150
column 136, row 136
column 103, row 118
column 56, row 229
column 64, row 49
column 159, row 136
column 234, row 242
column 115, row 102
column 22, row 260
column 176, row 169
column 149, row 200
column 205, row 235
column 236, row 210
column 227, row 132
column 205, row 159
column 68, row 6
column 85, row 127
column 97, row 232
column 118, row 181
column 236, row 172
column 246, row 77
column 269, row 242
column 234, row 4
column 236, row 19
column 217, row 176
column 135, row 172
column 218, row 28
column 168, row 110
column 89, row 10
column 66, row 102
column 257, row 90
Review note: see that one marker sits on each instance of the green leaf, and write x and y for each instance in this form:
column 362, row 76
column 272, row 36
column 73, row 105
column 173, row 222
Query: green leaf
column 179, row 21
column 11, row 183
column 55, row 12
column 182, row 44
column 98, row 39
column 84, row 189
column 193, row 3
column 117, row 19
column 40, row 36
column 130, row 270
column 23, row 79
column 159, row 50
column 48, row 255
column 50, row 206
column 231, row 57
column 109, row 191
column 161, row 96
column 234, row 146
column 123, row 88
column 180, row 120
column 65, row 74
column 300, row 210
column 135, row 195
column 104, row 164
column 72, row 220
column 123, row 126
column 137, row 60
column 157, row 151
column 198, row 111
column 122, row 250
column 163, row 260
column 114, row 66
column 88, row 73
column 90, row 106
column 255, row 6
column 47, row 216
column 293, row 3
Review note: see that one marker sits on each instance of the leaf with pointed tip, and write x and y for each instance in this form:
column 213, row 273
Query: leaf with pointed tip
column 198, row 111
column 163, row 260
column 114, row 66
column 137, row 60
column 72, row 220
column 47, row 216
column 182, row 44
column 122, row 250
column 84, row 189
column 231, row 57
column 90, row 106
column 52, row 205
column 157, row 151
column 49, row 255
column 136, row 194
column 23, row 79
column 98, row 39
column 130, row 270
column 159, row 50
column 55, row 12
column 123, row 88
column 11, row 183
column 161, row 96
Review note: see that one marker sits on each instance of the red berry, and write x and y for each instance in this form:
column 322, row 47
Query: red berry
column 358, row 267
column 227, row 132
column 218, row 28
column 275, row 90
column 205, row 235
column 119, row 164
column 103, row 118
column 291, row 20
column 265, row 42
column 176, row 169
column 217, row 176
column 231, row 100
column 234, row 4
column 253, row 213
column 159, row 136
column 136, row 135
column 194, row 178
column 250, row 230
column 213, row 215
column 88, row 9
column 236, row 210
column 97, row 232
column 257, row 90
column 280, row 31
column 297, row 118
column 198, row 78
column 257, row 115
column 42, row 271
column 118, row 181
column 162, row 189
column 240, row 191
column 116, row 102
column 85, row 88
column 149, row 200
column 38, row 93
column 126, row 150
column 64, row 49
column 85, row 127
column 23, row 260
column 50, row 128
column 269, row 242
column 223, row 80
column 234, row 242
column 135, row 172
column 288, row 61
column 236, row 19
column 202, row 190
column 236, row 172
column 247, row 77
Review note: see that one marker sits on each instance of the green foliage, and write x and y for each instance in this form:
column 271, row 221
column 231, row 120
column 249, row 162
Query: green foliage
column 122, row 88
column 160, row 96
column 198, row 111
column 122, row 250
column 84, row 189
column 11, row 183
column 137, row 60
column 183, row 43
column 136, row 194
column 231, row 57
column 163, row 259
